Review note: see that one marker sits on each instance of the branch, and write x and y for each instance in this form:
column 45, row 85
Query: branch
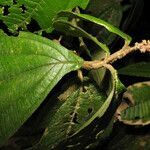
column 143, row 47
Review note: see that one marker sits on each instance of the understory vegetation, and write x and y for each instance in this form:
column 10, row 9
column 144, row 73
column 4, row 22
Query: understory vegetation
column 74, row 75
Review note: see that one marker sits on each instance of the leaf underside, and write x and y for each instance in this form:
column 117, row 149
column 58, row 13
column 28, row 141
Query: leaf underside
column 68, row 122
column 30, row 66
column 73, row 113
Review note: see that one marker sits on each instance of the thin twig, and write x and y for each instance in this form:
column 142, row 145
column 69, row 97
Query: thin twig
column 143, row 47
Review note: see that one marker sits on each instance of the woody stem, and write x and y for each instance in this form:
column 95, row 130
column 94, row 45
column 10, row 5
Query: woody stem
column 143, row 47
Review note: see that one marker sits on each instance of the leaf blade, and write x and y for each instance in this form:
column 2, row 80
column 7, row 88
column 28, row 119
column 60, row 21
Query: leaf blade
column 114, row 89
column 72, row 114
column 42, row 11
column 71, row 29
column 139, row 111
column 29, row 69
column 140, row 69
column 98, row 21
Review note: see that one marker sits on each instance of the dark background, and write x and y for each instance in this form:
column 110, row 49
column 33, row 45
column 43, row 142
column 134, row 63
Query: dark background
column 129, row 137
column 139, row 29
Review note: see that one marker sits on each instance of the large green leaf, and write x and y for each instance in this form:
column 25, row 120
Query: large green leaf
column 141, row 69
column 139, row 111
column 21, row 12
column 30, row 66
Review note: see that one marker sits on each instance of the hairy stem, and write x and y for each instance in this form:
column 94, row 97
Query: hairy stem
column 143, row 47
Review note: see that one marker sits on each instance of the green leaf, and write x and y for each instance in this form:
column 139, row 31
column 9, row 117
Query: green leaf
column 72, row 29
column 6, row 2
column 77, row 114
column 97, row 21
column 42, row 11
column 114, row 89
column 139, row 111
column 30, row 66
column 78, row 108
column 141, row 69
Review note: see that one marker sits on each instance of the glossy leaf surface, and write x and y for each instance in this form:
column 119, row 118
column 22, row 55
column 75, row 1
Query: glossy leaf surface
column 30, row 66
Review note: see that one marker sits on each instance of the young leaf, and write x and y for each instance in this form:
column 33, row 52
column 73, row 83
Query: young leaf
column 21, row 12
column 141, row 69
column 98, row 21
column 139, row 112
column 30, row 66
